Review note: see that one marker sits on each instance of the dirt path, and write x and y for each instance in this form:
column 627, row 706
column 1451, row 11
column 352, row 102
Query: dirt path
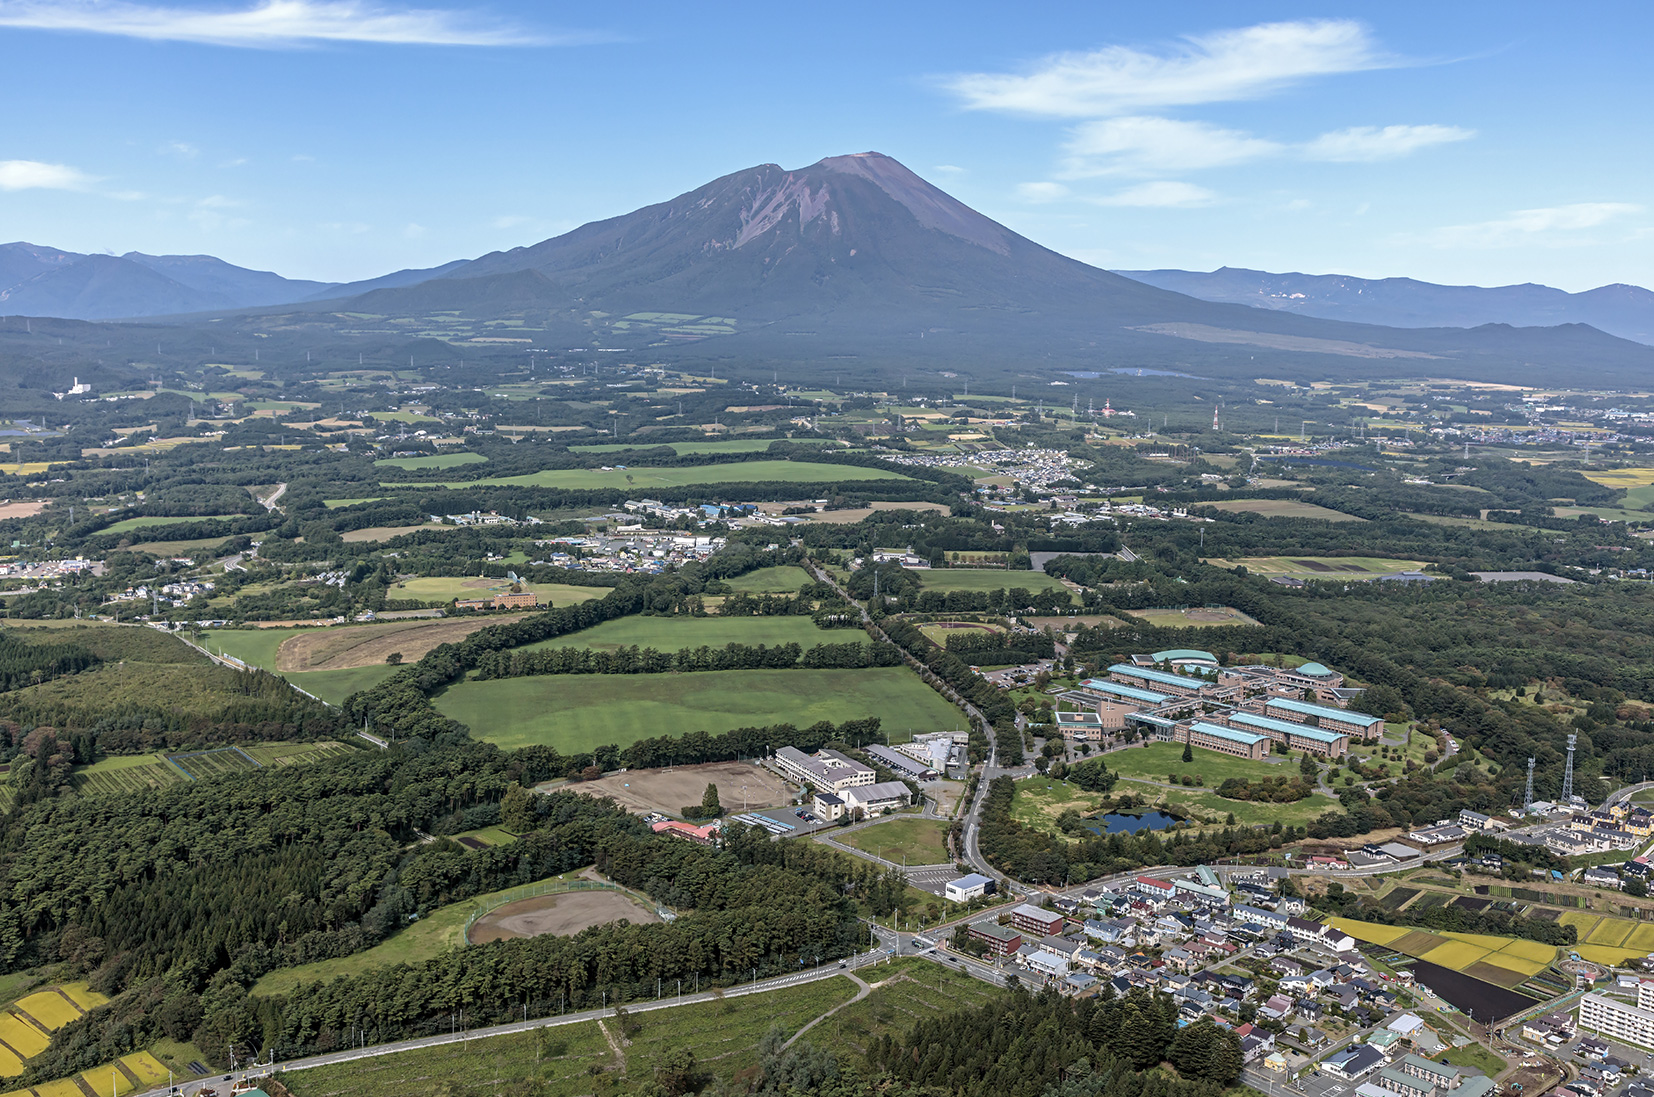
column 865, row 990
column 614, row 1046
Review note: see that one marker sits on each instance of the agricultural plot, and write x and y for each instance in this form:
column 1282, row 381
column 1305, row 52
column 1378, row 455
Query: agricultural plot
column 27, row 1024
column 642, row 479
column 432, row 461
column 1283, row 508
column 987, row 579
column 1192, row 616
column 125, row 775
column 1503, row 961
column 441, row 588
column 679, row 633
column 368, row 645
column 576, row 712
column 683, row 449
column 1607, row 940
column 780, row 580
column 130, row 524
column 1322, row 567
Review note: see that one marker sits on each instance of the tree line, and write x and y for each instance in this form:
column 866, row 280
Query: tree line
column 636, row 660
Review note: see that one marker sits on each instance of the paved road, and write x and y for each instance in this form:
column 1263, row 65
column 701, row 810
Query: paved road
column 270, row 503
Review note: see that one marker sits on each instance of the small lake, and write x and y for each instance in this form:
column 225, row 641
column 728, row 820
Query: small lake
column 1116, row 822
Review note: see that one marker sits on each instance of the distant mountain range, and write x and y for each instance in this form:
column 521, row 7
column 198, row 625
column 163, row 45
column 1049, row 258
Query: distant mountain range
column 42, row 281
column 1622, row 310
column 853, row 262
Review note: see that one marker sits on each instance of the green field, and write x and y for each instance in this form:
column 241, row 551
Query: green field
column 903, row 841
column 130, row 524
column 987, row 579
column 432, row 461
column 440, row 588
column 782, row 580
column 126, row 774
column 576, row 712
column 1156, row 760
column 683, row 449
column 1206, row 804
column 257, row 647
column 577, row 1059
column 1322, row 567
column 334, row 504
column 1039, row 800
column 678, row 633
column 642, row 479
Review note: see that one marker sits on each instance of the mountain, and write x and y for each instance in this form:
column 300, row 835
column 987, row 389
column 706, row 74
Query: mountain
column 1622, row 310
column 386, row 281
column 42, row 281
column 858, row 262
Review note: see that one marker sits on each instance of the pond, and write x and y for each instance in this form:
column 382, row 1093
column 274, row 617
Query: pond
column 1118, row 822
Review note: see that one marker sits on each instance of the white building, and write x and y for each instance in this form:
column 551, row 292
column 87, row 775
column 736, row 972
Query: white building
column 826, row 770
column 966, row 888
column 1617, row 1020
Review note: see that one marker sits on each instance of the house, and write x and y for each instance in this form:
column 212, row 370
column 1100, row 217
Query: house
column 1384, row 1040
column 1052, row 965
column 1277, row 1008
column 1032, row 919
column 1080, row 985
column 1353, row 1062
column 1438, row 1075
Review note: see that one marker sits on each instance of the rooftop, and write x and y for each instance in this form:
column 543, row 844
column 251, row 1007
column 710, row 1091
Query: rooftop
column 1132, row 693
column 1314, row 670
column 1173, row 655
column 1231, row 734
column 1304, row 708
column 1302, row 731
column 1182, row 681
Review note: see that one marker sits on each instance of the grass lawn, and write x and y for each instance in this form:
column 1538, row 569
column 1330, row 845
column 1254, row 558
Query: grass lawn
column 440, row 588
column 432, row 461
column 782, row 580
column 904, row 992
column 1157, row 760
column 676, row 633
column 733, row 445
column 333, row 686
column 642, row 479
column 576, row 712
column 257, row 647
column 1039, row 800
column 130, row 524
column 437, row 932
column 987, row 579
column 1205, row 803
column 577, row 1058
column 903, row 841
column 1475, row 1056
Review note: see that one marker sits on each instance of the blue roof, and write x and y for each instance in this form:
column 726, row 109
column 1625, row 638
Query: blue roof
column 1315, row 670
column 1183, row 681
column 1302, row 731
column 1173, row 654
column 1303, row 708
column 1230, row 734
column 1102, row 685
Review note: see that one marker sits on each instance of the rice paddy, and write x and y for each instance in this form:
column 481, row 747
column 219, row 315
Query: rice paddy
column 1504, row 961
column 1607, row 940
column 26, row 1026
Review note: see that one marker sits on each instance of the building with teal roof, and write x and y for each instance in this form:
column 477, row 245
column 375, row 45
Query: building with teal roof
column 1180, row 656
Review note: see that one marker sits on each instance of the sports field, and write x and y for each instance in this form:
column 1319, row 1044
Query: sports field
column 678, row 633
column 1283, row 508
column 641, row 479
column 1192, row 616
column 903, row 841
column 1504, row 961
column 432, row 461
column 741, row 786
column 561, row 915
column 1322, row 567
column 576, row 712
column 987, row 579
column 782, row 580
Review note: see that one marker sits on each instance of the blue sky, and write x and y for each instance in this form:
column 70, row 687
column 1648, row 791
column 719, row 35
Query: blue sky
column 1471, row 142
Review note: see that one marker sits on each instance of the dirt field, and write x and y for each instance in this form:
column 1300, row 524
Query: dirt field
column 669, row 790
column 386, row 533
column 859, row 513
column 367, row 645
column 563, row 915
column 24, row 509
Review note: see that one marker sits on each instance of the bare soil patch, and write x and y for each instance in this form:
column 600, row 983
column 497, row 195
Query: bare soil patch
column 669, row 790
column 26, row 508
column 563, row 915
column 386, row 533
column 858, row 513
column 368, row 645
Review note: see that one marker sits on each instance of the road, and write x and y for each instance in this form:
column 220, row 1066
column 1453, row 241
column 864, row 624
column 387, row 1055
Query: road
column 270, row 503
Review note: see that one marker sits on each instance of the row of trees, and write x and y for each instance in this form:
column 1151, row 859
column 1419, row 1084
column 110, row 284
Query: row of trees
column 636, row 660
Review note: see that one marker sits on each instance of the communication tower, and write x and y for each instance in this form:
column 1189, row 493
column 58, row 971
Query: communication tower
column 1568, row 771
column 1527, row 797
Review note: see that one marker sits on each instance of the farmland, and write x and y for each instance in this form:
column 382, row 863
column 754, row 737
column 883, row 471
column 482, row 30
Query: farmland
column 1322, row 567
column 25, row 1024
column 1608, row 940
column 368, row 645
column 683, row 449
column 1503, row 961
column 642, row 479
column 576, row 712
column 433, row 461
column 127, row 525
column 677, row 633
column 444, row 588
column 1192, row 616
column 782, row 580
column 987, row 579
column 1283, row 508
column 130, row 773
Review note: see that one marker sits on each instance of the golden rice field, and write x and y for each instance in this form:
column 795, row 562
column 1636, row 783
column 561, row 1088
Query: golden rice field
column 1607, row 940
column 1620, row 478
column 130, row 1074
column 26, row 1025
column 49, row 1008
column 1458, row 951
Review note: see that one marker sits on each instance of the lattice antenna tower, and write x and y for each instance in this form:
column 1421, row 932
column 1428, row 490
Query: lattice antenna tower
column 1527, row 797
column 1568, row 771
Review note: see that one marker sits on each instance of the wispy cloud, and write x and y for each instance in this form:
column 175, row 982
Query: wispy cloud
column 34, row 175
column 1212, row 68
column 1556, row 225
column 1163, row 194
column 1367, row 143
column 181, row 149
column 274, row 24
column 1152, row 146
column 1041, row 192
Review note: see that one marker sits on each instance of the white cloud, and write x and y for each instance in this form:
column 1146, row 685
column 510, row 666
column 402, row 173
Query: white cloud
column 1041, row 192
column 1367, row 143
column 948, row 169
column 273, row 24
column 181, row 149
column 1164, row 194
column 413, row 230
column 217, row 201
column 34, row 175
column 1220, row 67
column 1151, row 146
column 1549, row 225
